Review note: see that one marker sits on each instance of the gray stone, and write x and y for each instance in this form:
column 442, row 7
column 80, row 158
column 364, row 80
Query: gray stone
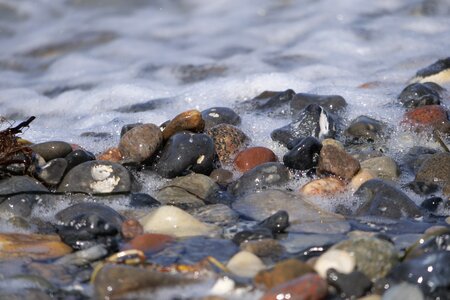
column 52, row 172
column 220, row 115
column 384, row 167
column 20, row 184
column 366, row 128
column 435, row 169
column 51, row 150
column 218, row 214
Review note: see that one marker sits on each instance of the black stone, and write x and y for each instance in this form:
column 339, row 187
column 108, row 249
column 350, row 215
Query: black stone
column 52, row 172
column 434, row 68
column 304, row 155
column 51, row 150
column 277, row 222
column 255, row 234
column 314, row 121
column 84, row 225
column 186, row 151
column 349, row 286
column 332, row 103
column 366, row 128
column 422, row 188
column 259, row 178
column 77, row 157
column 220, row 115
column 273, row 103
column 420, row 94
column 379, row 198
column 142, row 200
column 128, row 127
column 220, row 197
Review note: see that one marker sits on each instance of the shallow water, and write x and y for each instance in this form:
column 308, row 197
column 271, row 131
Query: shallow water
column 76, row 64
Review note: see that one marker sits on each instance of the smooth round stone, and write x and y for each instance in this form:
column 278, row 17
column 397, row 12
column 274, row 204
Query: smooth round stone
column 174, row 221
column 252, row 234
column 77, row 157
column 131, row 228
column 276, row 223
column 18, row 205
column 429, row 116
column 96, row 177
column 112, row 154
column 435, row 169
column 52, row 150
column 128, row 127
column 252, row 157
column 349, row 286
column 336, row 259
column 218, row 214
column 139, row 143
column 20, row 184
column 333, row 160
column 366, row 128
column 245, row 264
column 334, row 143
column 431, row 204
column 53, row 171
column 420, row 94
column 403, row 291
column 438, row 72
column 186, row 151
column 374, row 257
column 261, row 177
column 323, row 187
column 379, row 198
column 228, row 140
column 332, row 103
column 309, row 286
column 265, row 248
column 282, row 272
column 190, row 120
column 361, row 177
column 220, row 115
column 222, row 176
column 314, row 121
column 187, row 191
column 304, row 155
column 384, row 167
column 84, row 225
column 149, row 242
column 220, row 197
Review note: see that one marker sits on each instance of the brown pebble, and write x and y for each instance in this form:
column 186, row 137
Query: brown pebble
column 149, row 242
column 131, row 229
column 190, row 120
column 333, row 160
column 111, row 154
column 309, row 286
column 252, row 157
column 141, row 142
column 222, row 176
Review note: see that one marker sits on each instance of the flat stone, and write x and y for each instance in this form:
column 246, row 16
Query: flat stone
column 218, row 214
column 435, row 170
column 327, row 186
column 190, row 120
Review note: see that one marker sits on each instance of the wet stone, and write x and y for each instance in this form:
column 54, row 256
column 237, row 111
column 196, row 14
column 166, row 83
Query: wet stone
column 146, row 105
column 253, row 234
column 379, row 198
column 420, row 94
column 304, row 155
column 218, row 214
column 190, row 120
column 265, row 248
column 261, row 177
column 127, row 127
column 96, row 177
column 327, row 186
column 245, row 264
column 431, row 241
column 435, row 170
column 149, row 243
column 77, row 157
column 139, row 143
column 222, row 176
column 186, row 151
column 52, row 172
column 338, row 260
column 84, row 225
column 112, row 154
column 431, row 204
column 220, row 197
column 228, row 140
column 349, row 286
column 220, row 115
column 333, row 160
column 437, row 72
column 51, row 150
column 252, row 157
column 403, row 291
column 20, row 184
column 414, row 158
column 383, row 167
column 432, row 117
column 142, row 200
column 314, row 121
column 273, row 103
column 332, row 103
column 131, row 228
column 365, row 128
column 276, row 223
column 309, row 286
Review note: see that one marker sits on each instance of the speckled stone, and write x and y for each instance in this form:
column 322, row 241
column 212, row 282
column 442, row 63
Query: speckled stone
column 228, row 140
column 190, row 120
column 429, row 116
column 251, row 157
column 337, row 162
column 366, row 128
column 384, row 167
column 139, row 143
column 435, row 170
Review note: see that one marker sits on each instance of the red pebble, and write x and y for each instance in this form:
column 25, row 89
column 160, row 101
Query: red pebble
column 306, row 287
column 149, row 242
column 428, row 115
column 252, row 157
column 112, row 154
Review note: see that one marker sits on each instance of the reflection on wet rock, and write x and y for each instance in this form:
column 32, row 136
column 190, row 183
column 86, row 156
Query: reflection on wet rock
column 220, row 115
column 304, row 155
column 52, row 150
column 332, row 103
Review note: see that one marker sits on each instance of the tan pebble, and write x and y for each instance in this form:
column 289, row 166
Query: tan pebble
column 112, row 154
column 362, row 176
column 131, row 229
column 190, row 120
column 245, row 264
column 323, row 187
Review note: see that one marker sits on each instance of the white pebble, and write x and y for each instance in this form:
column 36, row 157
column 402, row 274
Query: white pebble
column 245, row 264
column 339, row 260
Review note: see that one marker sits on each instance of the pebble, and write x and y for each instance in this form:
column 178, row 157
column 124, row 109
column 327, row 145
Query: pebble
column 84, row 225
column 414, row 158
column 364, row 127
column 333, row 160
column 228, row 141
column 174, row 221
column 380, row 198
column 274, row 103
column 314, row 121
column 261, row 177
column 304, row 155
column 252, row 157
column 112, row 154
column 52, row 172
column 143, row 200
column 276, row 223
column 20, row 184
column 140, row 143
column 190, row 120
column 131, row 228
column 403, row 291
column 222, row 176
column 361, row 177
column 77, row 157
column 334, row 143
column 245, row 264
column 187, row 191
column 332, row 103
column 431, row 204
column 252, row 234
column 18, row 205
column 429, row 116
column 218, row 214
column 438, row 72
column 349, row 286
column 435, row 170
column 83, row 257
column 220, row 115
column 186, row 151
column 282, row 272
column 149, row 242
column 265, row 248
column 374, row 257
column 384, row 167
column 52, row 150
column 96, row 177
column 309, row 286
column 327, row 186
column 420, row 94
column 127, row 127
column 338, row 260
column 34, row 246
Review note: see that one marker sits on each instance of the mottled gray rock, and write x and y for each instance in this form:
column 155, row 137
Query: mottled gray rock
column 51, row 150
column 384, row 167
column 20, row 184
column 53, row 171
column 333, row 160
column 366, row 128
column 218, row 214
column 220, row 115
